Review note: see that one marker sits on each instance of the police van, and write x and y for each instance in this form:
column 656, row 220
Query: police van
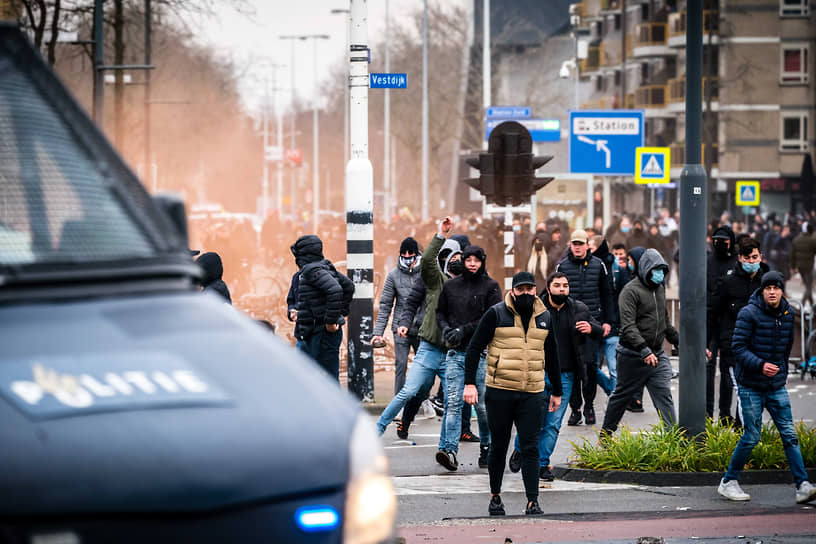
column 134, row 408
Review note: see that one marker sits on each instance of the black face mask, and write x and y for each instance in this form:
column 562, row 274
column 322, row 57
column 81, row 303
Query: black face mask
column 558, row 300
column 539, row 246
column 721, row 247
column 524, row 303
column 456, row 268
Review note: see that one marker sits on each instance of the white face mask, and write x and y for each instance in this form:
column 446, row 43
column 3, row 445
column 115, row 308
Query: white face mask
column 407, row 262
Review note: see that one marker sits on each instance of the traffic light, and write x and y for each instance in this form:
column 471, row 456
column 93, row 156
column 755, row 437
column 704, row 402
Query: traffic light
column 507, row 170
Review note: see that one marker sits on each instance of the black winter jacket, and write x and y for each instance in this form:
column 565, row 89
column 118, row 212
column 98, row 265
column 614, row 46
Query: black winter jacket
column 464, row 300
column 213, row 269
column 324, row 296
column 730, row 295
column 574, row 311
column 762, row 335
column 616, row 283
column 398, row 286
column 588, row 283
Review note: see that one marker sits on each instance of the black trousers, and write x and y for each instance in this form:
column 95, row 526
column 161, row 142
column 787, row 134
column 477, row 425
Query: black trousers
column 726, row 383
column 584, row 394
column 504, row 409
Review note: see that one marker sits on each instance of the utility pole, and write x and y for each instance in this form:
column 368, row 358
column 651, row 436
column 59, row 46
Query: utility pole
column 425, row 112
column 148, row 160
column 693, row 208
column 360, row 214
column 347, row 13
column 387, row 127
column 99, row 61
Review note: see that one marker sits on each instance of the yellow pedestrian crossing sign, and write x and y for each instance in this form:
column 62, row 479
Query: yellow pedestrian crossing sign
column 747, row 193
column 652, row 165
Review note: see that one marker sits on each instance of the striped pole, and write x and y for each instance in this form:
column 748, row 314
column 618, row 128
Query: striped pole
column 509, row 240
column 360, row 214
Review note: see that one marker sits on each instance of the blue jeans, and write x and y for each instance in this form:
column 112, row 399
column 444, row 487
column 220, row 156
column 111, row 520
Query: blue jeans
column 751, row 404
column 607, row 383
column 429, row 362
column 324, row 347
column 454, row 388
column 551, row 420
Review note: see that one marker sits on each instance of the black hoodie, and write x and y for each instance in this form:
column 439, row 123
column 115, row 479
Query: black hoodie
column 324, row 295
column 213, row 269
column 464, row 300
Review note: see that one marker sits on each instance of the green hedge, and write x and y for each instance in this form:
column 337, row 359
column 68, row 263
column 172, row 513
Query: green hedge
column 663, row 449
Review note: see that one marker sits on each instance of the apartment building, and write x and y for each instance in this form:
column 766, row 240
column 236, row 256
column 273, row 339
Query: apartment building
column 759, row 90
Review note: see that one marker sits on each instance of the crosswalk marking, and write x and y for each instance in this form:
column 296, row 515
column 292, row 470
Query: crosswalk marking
column 447, row 484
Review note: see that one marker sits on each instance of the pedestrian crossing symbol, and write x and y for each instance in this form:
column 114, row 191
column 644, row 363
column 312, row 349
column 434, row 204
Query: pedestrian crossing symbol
column 747, row 193
column 652, row 165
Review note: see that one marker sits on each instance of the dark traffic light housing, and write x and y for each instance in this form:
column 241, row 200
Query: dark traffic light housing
column 507, row 170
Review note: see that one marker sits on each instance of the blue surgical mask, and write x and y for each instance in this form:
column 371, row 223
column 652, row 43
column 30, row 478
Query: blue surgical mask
column 516, row 228
column 751, row 268
column 657, row 277
column 624, row 229
column 631, row 267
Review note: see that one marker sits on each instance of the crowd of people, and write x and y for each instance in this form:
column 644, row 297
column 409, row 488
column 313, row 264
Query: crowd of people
column 581, row 300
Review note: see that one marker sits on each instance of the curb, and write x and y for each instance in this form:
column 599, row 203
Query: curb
column 672, row 479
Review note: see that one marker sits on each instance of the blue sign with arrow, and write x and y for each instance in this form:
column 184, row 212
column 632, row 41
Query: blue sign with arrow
column 604, row 142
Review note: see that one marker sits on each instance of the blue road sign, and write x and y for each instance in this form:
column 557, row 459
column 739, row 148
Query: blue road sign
column 603, row 142
column 508, row 112
column 388, row 81
column 542, row 130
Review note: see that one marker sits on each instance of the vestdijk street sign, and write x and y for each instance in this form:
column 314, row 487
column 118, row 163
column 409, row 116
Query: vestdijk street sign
column 603, row 142
column 508, row 112
column 652, row 165
column 388, row 81
column 747, row 193
column 541, row 130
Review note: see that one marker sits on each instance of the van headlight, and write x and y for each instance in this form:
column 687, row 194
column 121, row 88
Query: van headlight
column 371, row 505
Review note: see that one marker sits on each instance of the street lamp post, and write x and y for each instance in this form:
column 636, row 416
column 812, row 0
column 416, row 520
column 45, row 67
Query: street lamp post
column 340, row 11
column 425, row 112
column 316, row 140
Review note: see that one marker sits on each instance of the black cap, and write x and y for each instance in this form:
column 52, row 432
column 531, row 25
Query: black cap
column 772, row 278
column 523, row 278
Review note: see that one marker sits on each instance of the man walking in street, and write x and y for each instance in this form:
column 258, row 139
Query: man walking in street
column 323, row 299
column 571, row 324
column 521, row 355
column 762, row 342
column 398, row 285
column 719, row 262
column 803, row 249
column 462, row 303
column 588, row 283
column 641, row 360
column 730, row 295
column 442, row 258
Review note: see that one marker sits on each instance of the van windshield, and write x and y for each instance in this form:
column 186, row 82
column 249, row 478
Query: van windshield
column 56, row 203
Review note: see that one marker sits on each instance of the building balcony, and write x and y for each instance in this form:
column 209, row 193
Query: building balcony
column 610, row 5
column 593, row 61
column 653, row 99
column 677, row 92
column 678, row 155
column 603, row 103
column 650, row 40
column 677, row 28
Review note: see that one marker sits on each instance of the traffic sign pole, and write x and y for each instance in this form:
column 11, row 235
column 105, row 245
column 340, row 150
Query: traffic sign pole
column 693, row 211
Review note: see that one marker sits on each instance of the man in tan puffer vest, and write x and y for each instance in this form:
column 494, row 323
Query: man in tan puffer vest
column 520, row 349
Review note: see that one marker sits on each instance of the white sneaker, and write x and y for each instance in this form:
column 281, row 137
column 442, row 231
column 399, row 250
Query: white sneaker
column 806, row 492
column 732, row 491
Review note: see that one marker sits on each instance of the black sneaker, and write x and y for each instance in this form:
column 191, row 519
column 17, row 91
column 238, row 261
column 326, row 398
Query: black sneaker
column 575, row 418
column 635, row 406
column 447, row 459
column 483, row 450
column 589, row 415
column 515, row 461
column 545, row 474
column 402, row 430
column 468, row 436
column 533, row 509
column 496, row 506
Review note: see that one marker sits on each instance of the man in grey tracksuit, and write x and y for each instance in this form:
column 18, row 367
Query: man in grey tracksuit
column 644, row 325
column 398, row 285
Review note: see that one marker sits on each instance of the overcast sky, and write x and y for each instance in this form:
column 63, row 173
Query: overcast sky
column 255, row 41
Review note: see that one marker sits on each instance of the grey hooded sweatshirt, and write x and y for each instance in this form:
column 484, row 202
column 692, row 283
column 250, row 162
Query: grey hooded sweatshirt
column 644, row 318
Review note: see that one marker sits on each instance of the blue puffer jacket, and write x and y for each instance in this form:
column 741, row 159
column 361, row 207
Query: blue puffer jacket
column 762, row 334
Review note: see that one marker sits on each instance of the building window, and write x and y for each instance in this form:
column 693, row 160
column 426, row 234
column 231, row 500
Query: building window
column 794, row 131
column 793, row 8
column 794, row 63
